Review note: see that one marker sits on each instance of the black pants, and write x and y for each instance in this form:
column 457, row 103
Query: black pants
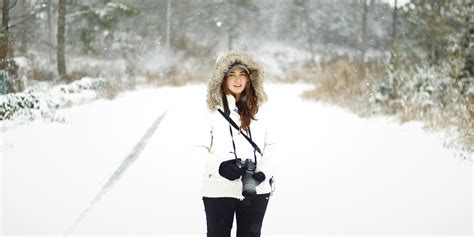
column 249, row 213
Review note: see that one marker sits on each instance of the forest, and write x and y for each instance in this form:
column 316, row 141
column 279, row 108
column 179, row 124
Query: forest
column 413, row 60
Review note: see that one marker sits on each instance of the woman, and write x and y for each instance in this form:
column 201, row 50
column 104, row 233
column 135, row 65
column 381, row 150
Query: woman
column 236, row 88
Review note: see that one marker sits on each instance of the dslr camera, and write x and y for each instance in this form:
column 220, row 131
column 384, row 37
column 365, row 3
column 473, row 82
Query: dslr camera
column 249, row 184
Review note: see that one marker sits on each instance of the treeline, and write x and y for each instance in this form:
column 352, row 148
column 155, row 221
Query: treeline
column 414, row 60
column 427, row 74
column 58, row 30
column 433, row 31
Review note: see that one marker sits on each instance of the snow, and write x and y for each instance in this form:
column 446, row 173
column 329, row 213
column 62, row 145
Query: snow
column 22, row 62
column 338, row 173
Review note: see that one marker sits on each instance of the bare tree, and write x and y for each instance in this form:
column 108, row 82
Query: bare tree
column 61, row 58
column 229, row 29
column 4, row 34
column 394, row 33
column 469, row 43
column 394, row 23
column 364, row 31
column 50, row 30
column 24, row 28
column 7, row 64
column 168, row 24
column 308, row 26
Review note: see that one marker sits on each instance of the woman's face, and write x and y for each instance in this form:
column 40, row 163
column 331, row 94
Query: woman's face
column 236, row 81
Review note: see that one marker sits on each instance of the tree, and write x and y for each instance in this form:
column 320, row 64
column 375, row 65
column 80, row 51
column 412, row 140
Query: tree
column 232, row 15
column 363, row 37
column 25, row 15
column 50, row 29
column 5, row 34
column 61, row 57
column 394, row 33
column 96, row 23
column 168, row 24
column 433, row 25
column 467, row 44
column 217, row 20
column 8, row 66
column 309, row 27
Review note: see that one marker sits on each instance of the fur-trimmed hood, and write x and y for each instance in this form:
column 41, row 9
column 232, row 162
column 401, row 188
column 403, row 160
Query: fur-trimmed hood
column 257, row 74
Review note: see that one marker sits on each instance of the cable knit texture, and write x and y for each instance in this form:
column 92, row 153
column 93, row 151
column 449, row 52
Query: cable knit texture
column 215, row 141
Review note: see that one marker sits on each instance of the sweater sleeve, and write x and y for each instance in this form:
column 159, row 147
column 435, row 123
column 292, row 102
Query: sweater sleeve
column 269, row 158
column 202, row 149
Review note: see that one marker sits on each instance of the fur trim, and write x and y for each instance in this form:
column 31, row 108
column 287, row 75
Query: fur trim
column 257, row 74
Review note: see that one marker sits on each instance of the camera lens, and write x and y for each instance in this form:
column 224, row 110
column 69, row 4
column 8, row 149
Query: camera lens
column 249, row 185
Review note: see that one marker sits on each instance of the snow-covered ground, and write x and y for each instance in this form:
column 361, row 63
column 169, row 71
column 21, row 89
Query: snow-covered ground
column 338, row 173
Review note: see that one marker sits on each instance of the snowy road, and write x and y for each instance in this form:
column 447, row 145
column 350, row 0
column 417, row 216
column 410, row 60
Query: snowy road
column 338, row 173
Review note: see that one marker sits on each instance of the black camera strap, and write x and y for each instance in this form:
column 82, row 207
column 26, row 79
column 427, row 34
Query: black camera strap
column 233, row 144
column 249, row 139
column 226, row 115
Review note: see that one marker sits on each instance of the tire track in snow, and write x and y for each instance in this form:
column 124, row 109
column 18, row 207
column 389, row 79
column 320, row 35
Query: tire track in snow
column 131, row 157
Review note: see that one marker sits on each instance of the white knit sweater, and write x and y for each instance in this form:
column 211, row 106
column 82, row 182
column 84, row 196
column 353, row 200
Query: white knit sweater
column 215, row 145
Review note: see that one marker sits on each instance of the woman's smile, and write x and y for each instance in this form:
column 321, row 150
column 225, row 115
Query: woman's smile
column 236, row 81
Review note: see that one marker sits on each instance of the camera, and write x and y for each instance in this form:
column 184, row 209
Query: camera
column 249, row 184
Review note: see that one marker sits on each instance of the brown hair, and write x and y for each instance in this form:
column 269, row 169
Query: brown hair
column 247, row 104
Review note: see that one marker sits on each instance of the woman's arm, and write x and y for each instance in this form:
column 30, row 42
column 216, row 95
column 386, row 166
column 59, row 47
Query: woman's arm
column 203, row 147
column 268, row 161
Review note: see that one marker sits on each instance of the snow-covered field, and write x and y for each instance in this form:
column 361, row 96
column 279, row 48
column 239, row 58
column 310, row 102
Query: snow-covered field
column 338, row 173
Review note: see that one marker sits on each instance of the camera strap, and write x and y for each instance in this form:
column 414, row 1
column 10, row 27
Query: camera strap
column 249, row 139
column 233, row 144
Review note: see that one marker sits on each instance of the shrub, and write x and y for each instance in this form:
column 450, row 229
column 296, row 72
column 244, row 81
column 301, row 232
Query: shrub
column 344, row 82
column 11, row 104
column 430, row 94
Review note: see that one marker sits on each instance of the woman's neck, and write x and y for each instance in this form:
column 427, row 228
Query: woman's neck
column 236, row 96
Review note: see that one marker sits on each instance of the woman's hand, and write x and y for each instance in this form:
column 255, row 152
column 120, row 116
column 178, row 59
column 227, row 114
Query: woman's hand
column 259, row 177
column 229, row 170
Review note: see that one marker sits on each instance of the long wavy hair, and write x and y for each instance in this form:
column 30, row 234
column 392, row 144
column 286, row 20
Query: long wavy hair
column 247, row 104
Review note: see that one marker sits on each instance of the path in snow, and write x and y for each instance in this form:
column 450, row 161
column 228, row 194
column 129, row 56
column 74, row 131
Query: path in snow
column 338, row 173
